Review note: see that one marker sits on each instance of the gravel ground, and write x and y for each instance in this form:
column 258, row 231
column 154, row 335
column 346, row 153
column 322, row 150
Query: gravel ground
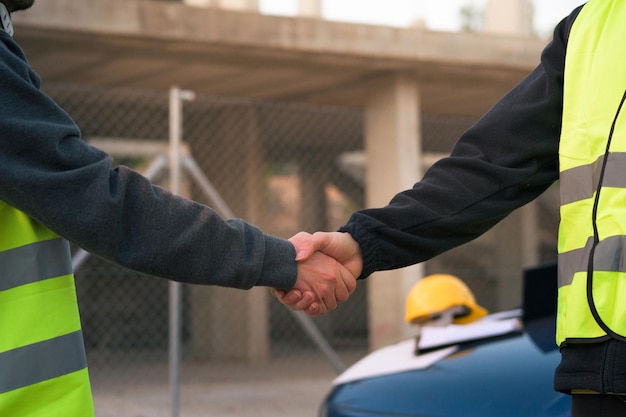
column 287, row 388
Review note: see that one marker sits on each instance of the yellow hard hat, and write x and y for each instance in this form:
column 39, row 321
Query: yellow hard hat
column 436, row 293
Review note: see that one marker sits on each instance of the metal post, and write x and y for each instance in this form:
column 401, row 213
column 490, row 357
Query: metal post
column 318, row 338
column 175, row 294
column 216, row 199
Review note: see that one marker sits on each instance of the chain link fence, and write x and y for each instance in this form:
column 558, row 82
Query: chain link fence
column 285, row 167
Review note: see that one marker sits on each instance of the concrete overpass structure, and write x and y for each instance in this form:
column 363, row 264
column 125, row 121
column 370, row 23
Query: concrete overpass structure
column 394, row 74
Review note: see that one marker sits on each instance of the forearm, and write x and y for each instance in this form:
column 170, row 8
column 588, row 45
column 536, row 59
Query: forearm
column 48, row 172
column 120, row 216
column 508, row 158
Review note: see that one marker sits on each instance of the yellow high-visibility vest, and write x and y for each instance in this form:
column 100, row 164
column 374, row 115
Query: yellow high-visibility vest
column 592, row 156
column 43, row 367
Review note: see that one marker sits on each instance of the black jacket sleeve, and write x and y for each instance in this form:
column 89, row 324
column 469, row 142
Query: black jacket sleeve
column 49, row 173
column 508, row 158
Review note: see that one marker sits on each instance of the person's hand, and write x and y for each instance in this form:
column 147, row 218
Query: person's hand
column 308, row 250
column 322, row 282
column 338, row 245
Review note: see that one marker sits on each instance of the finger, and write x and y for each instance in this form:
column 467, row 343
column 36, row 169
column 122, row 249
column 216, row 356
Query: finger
column 308, row 298
column 333, row 244
column 351, row 284
column 280, row 294
column 292, row 297
column 334, row 285
column 349, row 280
column 307, row 244
column 341, row 289
column 329, row 297
column 313, row 310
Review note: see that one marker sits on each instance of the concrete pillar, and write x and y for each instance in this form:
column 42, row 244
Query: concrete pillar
column 257, row 310
column 310, row 8
column 227, row 323
column 314, row 173
column 393, row 147
column 531, row 240
column 516, row 246
column 314, row 178
column 509, row 17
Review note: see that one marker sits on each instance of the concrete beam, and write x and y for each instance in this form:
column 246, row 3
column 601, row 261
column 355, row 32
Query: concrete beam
column 177, row 21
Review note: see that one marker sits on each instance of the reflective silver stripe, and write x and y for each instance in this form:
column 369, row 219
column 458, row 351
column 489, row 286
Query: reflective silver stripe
column 34, row 262
column 609, row 256
column 41, row 361
column 581, row 182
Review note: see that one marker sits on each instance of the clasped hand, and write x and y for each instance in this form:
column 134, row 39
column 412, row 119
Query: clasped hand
column 328, row 266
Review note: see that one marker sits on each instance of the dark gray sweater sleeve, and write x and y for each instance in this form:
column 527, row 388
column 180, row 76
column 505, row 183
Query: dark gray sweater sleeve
column 508, row 158
column 49, row 173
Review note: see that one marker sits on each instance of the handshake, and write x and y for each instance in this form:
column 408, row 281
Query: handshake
column 328, row 266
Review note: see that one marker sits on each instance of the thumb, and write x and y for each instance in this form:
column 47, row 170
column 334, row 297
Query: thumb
column 303, row 245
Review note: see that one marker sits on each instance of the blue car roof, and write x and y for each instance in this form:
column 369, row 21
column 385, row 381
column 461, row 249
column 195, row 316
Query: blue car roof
column 509, row 377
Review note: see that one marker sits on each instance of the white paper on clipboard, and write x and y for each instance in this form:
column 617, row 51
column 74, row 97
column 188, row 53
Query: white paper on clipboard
column 439, row 341
column 434, row 337
column 391, row 359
